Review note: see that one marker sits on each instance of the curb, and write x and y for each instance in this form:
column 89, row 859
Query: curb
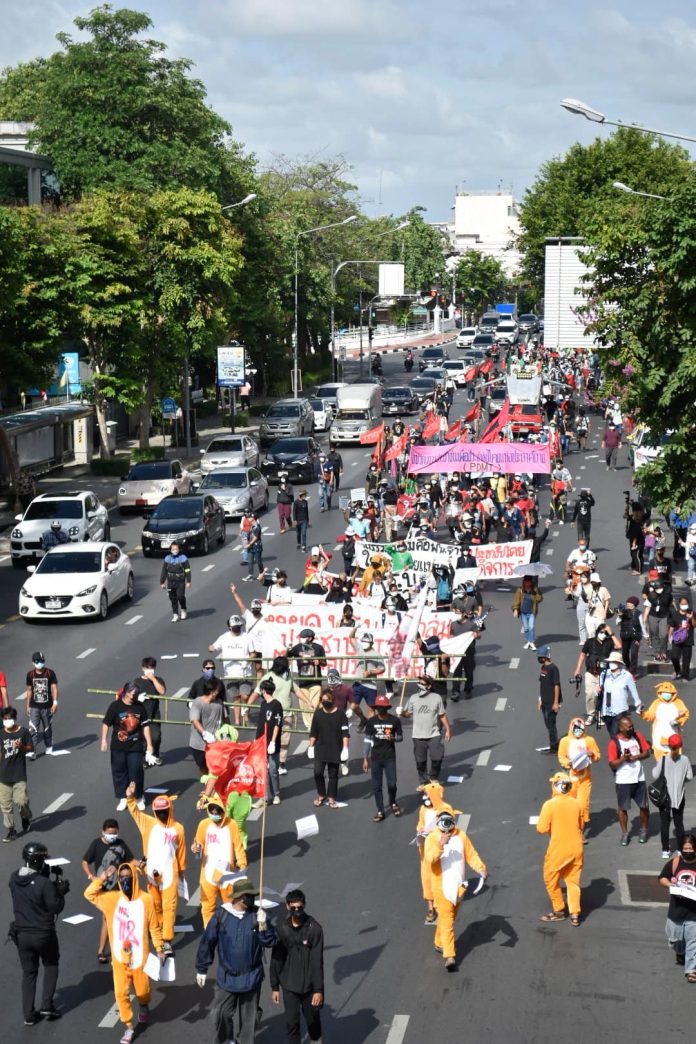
column 411, row 347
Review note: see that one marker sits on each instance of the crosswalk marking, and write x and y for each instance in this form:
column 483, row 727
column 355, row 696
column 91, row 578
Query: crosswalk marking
column 500, row 703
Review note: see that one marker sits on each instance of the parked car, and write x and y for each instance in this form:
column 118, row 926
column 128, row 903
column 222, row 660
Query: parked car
column 230, row 451
column 148, row 483
column 236, row 489
column 466, row 336
column 296, row 457
column 399, row 399
column 81, row 515
column 286, row 418
column 431, row 357
column 77, row 580
column 323, row 414
column 194, row 521
column 456, row 368
column 424, row 387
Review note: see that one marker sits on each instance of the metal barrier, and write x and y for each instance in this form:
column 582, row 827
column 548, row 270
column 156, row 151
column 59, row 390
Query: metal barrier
column 167, row 700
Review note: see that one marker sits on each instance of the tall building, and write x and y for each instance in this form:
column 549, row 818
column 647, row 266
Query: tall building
column 488, row 222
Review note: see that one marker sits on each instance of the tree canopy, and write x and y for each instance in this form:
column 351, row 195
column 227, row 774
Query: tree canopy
column 480, row 280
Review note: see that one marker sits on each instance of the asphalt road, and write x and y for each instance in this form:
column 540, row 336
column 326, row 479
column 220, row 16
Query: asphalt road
column 517, row 979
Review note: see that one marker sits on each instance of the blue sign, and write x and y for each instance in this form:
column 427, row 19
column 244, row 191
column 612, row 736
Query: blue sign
column 67, row 379
column 169, row 407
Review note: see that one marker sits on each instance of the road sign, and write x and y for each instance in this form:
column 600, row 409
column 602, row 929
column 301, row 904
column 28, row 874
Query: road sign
column 231, row 366
column 168, row 408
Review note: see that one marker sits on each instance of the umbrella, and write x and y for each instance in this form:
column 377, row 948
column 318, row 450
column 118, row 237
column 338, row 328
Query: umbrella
column 533, row 569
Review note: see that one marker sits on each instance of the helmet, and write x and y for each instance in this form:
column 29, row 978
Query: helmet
column 35, row 854
column 366, row 638
column 544, row 652
column 235, row 621
column 382, row 700
column 56, row 524
column 308, row 633
column 389, row 603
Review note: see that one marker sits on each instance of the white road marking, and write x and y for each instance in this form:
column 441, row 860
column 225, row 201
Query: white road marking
column 110, row 1019
column 397, row 1030
column 85, row 654
column 583, row 466
column 4, row 558
column 550, row 551
column 190, row 656
column 169, row 656
column 533, row 820
column 184, row 691
column 255, row 813
column 337, row 547
column 77, row 918
column 301, row 747
column 354, row 464
column 267, row 529
column 592, row 456
column 556, row 533
column 195, row 897
column 463, row 821
column 55, row 805
column 206, row 569
column 500, row 703
column 502, row 768
column 514, row 663
column 133, row 619
column 483, row 758
column 22, row 696
column 237, row 547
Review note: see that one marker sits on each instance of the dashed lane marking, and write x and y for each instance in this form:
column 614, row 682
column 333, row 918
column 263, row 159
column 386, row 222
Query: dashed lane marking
column 22, row 696
column 55, row 805
column 111, row 1018
column 533, row 820
column 206, row 569
column 190, row 656
column 237, row 547
column 169, row 656
column 255, row 813
column 514, row 663
column 85, row 654
column 301, row 747
column 555, row 534
column 483, row 758
column 354, row 464
column 397, row 1030
column 502, row 768
column 183, row 691
column 133, row 620
column 4, row 558
column 592, row 456
column 500, row 703
column 11, row 619
column 463, row 821
column 583, row 466
column 550, row 551
column 195, row 897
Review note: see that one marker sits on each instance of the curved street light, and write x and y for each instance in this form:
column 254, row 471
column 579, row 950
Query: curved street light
column 580, row 108
column 634, row 192
column 242, row 202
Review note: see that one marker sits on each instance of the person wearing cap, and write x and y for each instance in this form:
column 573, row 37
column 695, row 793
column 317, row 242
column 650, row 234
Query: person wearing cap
column 370, row 667
column 561, row 818
column 680, row 635
column 297, row 968
column 42, row 702
column 15, row 745
column 448, row 851
column 550, row 697
column 430, row 722
column 597, row 602
column 164, row 847
column 285, row 498
column 668, row 714
column 300, row 516
column 382, row 732
column 238, row 936
column 631, row 633
column 238, row 653
column 593, row 653
column 218, row 843
column 677, row 771
column 269, row 724
column 626, row 752
column 617, row 692
column 329, row 740
column 576, row 753
column 255, row 627
column 310, row 659
column 401, row 557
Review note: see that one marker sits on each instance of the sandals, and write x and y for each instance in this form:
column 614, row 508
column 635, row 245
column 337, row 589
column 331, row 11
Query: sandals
column 378, row 817
column 553, row 916
column 575, row 920
column 102, row 957
column 690, row 977
column 396, row 811
column 318, row 802
column 332, row 803
column 430, row 917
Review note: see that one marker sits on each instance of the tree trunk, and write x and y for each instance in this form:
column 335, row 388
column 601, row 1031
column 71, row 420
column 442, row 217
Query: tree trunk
column 13, row 465
column 145, row 411
column 100, row 406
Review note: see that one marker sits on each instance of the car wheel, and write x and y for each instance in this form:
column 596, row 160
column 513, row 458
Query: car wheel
column 130, row 588
column 223, row 535
column 107, row 532
column 103, row 606
column 205, row 546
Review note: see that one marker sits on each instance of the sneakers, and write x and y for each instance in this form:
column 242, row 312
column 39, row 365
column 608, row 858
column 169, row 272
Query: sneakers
column 11, row 835
column 532, row 646
column 128, row 1035
column 32, row 755
column 282, row 771
column 183, row 614
column 49, row 750
column 666, row 853
column 450, row 964
column 122, row 805
column 50, row 1012
column 26, row 823
column 31, row 1019
column 175, row 619
column 643, row 837
column 143, row 1014
column 141, row 804
column 276, row 800
column 624, row 839
column 589, row 719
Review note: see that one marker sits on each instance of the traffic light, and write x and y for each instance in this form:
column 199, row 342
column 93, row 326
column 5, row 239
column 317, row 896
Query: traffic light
column 370, row 333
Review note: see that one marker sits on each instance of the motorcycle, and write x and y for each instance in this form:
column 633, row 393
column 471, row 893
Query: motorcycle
column 376, row 366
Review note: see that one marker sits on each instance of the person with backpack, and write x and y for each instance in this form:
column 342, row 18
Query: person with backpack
column 680, row 928
column 176, row 578
column 676, row 769
column 630, row 633
column 109, row 849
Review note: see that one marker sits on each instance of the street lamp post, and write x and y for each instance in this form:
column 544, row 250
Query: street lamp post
column 580, row 108
column 334, row 273
column 634, row 192
column 295, row 347
column 242, row 202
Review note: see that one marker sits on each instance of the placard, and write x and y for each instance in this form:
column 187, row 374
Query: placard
column 481, row 458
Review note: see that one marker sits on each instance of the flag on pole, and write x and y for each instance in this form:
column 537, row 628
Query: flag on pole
column 470, row 374
column 402, row 664
column 432, row 425
column 454, row 430
column 474, row 413
column 239, row 767
column 372, row 436
column 397, row 447
column 497, row 424
column 486, row 367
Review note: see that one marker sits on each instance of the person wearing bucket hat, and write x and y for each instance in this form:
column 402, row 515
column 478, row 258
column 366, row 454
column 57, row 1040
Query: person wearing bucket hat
column 668, row 714
column 677, row 770
column 238, row 936
column 562, row 819
column 617, row 693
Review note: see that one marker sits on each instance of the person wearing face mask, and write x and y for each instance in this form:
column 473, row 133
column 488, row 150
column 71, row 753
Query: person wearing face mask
column 658, row 603
column 680, row 634
column 432, row 804
column 238, row 653
column 668, row 713
column 447, row 851
column 595, row 651
column 617, row 693
column 341, row 590
column 329, row 742
column 200, row 685
column 382, row 732
column 562, row 819
column 164, row 845
column 285, row 498
column 42, row 702
column 151, row 687
column 371, row 668
column 207, row 713
column 104, row 851
column 430, row 723
column 278, row 590
column 310, row 658
column 131, row 922
column 626, row 753
column 239, row 936
column 297, row 968
column 631, row 633
column 579, row 561
column 680, row 927
column 218, row 842
column 285, row 689
column 597, row 600
column 677, row 771
column 15, row 745
column 582, row 515
column 131, row 744
column 525, row 606
column 576, row 752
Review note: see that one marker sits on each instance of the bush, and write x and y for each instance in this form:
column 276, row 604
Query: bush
column 118, row 465
column 138, row 456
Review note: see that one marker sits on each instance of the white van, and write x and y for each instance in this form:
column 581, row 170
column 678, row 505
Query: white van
column 359, row 410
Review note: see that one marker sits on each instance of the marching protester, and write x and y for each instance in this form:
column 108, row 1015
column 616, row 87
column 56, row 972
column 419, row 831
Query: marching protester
column 627, row 750
column 576, row 752
column 297, row 968
column 175, row 577
column 109, row 849
column 382, row 732
column 42, row 702
column 561, row 817
column 131, row 745
column 680, row 928
column 219, row 845
column 329, row 743
column 429, row 724
column 15, row 746
column 675, row 769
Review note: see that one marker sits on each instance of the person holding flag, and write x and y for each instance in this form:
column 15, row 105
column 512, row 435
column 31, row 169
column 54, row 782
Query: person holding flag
column 219, row 844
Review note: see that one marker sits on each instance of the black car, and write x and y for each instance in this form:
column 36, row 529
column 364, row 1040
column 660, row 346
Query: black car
column 424, row 387
column 399, row 400
column 194, row 521
column 434, row 356
column 297, row 457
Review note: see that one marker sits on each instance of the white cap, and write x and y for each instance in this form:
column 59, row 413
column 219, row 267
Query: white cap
column 315, row 550
column 595, row 578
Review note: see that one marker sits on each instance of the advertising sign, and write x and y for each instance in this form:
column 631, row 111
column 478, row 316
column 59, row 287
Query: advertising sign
column 231, row 366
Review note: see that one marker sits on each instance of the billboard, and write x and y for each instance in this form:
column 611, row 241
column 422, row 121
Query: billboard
column 231, row 365
column 391, row 280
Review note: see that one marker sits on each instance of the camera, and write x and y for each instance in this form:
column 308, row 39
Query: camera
column 621, row 607
column 575, row 679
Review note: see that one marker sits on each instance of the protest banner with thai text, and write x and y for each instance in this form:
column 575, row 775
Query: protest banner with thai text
column 479, row 458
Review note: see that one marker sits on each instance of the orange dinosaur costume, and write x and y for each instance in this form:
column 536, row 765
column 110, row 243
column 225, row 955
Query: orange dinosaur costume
column 221, row 846
column 562, row 819
column 447, row 851
column 576, row 752
column 164, row 845
column 427, row 821
column 668, row 713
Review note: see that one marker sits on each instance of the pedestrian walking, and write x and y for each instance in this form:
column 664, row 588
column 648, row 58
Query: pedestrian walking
column 285, row 498
column 245, row 395
column 131, row 744
column 382, row 732
column 593, row 654
column 329, row 740
column 107, row 850
column 325, row 482
column 269, row 724
column 550, row 696
column 176, row 578
column 680, row 927
column 151, row 686
column 525, row 606
column 561, row 818
column 42, row 702
column 238, row 935
column 617, row 692
column 207, row 713
column 432, row 804
column 582, row 515
column 300, row 516
column 297, row 968
column 626, row 753
column 37, row 899
column 576, row 753
column 4, row 696
column 677, row 771
column 668, row 714
column 336, row 466
column 681, row 637
column 658, row 606
column 430, row 722
column 255, row 549
column 15, row 745
column 26, row 488
column 220, row 847
column 611, row 443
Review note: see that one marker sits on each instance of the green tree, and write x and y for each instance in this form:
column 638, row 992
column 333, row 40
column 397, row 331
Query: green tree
column 423, row 254
column 481, row 280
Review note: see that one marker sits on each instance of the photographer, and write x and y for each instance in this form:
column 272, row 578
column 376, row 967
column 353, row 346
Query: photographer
column 593, row 652
column 37, row 899
column 631, row 632
column 635, row 534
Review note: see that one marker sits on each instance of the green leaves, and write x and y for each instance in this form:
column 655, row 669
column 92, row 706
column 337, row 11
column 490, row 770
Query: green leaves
column 480, row 279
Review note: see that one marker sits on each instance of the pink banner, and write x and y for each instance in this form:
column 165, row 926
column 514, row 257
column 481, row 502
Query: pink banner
column 481, row 458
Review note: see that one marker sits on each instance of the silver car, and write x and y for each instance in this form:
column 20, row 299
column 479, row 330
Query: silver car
column 153, row 480
column 229, row 451
column 237, row 489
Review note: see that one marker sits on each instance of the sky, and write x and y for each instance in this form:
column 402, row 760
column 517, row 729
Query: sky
column 421, row 101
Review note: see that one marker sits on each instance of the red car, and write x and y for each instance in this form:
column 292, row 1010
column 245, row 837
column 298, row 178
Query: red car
column 526, row 419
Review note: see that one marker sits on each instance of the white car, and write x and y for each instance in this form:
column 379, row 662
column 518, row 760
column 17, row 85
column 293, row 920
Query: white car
column 323, row 414
column 81, row 515
column 230, row 451
column 77, row 580
column 456, row 368
column 466, row 336
column 153, row 480
column 237, row 489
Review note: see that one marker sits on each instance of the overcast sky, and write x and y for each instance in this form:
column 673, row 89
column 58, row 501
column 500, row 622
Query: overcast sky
column 419, row 98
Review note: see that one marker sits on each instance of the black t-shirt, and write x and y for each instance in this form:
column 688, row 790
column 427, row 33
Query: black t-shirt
column 329, row 729
column 198, row 688
column 596, row 650
column 13, row 762
column 660, row 602
column 40, row 683
column 101, row 855
column 147, row 688
column 549, row 678
column 378, row 729
column 680, row 908
column 270, row 716
column 309, row 659
column 127, row 721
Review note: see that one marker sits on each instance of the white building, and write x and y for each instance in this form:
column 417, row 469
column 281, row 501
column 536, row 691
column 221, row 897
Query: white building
column 488, row 222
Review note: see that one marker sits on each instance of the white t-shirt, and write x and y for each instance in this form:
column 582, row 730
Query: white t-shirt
column 629, row 771
column 229, row 646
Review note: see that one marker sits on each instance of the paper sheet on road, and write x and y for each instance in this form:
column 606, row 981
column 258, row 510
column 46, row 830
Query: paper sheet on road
column 308, row 826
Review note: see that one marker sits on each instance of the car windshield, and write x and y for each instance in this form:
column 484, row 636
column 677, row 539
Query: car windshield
column 528, row 318
column 326, row 393
column 432, row 353
column 145, row 472
column 354, row 414
column 177, row 507
column 289, row 446
column 395, row 393
column 53, row 509
column 317, row 404
column 483, row 339
column 423, row 382
column 468, row 331
column 284, row 411
column 225, row 480
column 225, row 446
column 73, row 562
column 453, row 364
column 499, row 394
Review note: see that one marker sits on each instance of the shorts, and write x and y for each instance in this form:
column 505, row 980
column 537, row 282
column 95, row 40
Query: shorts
column 239, row 687
column 626, row 792
column 363, row 692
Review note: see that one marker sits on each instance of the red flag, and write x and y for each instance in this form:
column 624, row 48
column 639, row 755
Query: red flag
column 397, row 447
column 454, row 430
column 432, row 425
column 474, row 413
column 470, row 374
column 497, row 424
column 464, row 437
column 486, row 367
column 373, row 435
column 239, row 767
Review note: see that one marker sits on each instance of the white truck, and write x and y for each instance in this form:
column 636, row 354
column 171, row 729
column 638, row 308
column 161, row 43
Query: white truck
column 359, row 410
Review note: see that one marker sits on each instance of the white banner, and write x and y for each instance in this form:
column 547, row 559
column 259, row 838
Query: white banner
column 497, row 561
column 426, row 553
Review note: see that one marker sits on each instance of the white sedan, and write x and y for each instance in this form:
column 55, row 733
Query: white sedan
column 153, row 480
column 77, row 580
column 323, row 414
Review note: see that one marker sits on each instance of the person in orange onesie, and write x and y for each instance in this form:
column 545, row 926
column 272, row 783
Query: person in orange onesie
column 668, row 713
column 561, row 818
column 427, row 820
column 447, row 851
column 164, row 845
column 130, row 918
column 219, row 842
column 576, row 752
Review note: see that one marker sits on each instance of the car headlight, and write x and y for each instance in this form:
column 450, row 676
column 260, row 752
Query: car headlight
column 16, row 534
column 303, row 460
column 192, row 533
column 147, row 533
column 74, row 531
column 122, row 491
column 87, row 591
column 24, row 593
